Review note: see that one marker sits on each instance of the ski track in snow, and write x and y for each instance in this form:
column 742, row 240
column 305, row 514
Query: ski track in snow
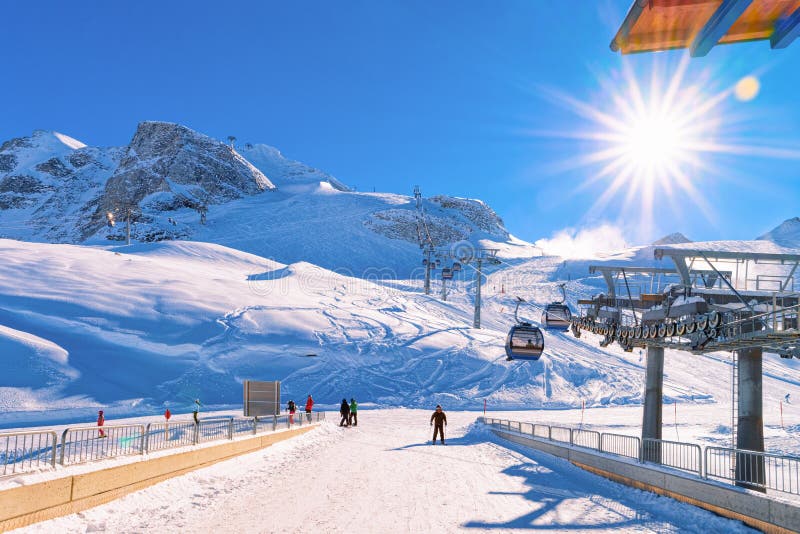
column 384, row 476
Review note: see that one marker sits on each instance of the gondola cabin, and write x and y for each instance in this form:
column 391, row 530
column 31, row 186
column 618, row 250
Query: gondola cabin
column 447, row 274
column 556, row 316
column 524, row 342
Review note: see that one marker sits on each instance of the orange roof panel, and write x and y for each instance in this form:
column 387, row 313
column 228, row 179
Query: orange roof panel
column 653, row 25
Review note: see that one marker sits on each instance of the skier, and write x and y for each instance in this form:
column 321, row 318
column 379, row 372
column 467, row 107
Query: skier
column 291, row 408
column 196, row 412
column 441, row 421
column 353, row 412
column 344, row 411
column 309, row 406
column 167, row 414
column 101, row 420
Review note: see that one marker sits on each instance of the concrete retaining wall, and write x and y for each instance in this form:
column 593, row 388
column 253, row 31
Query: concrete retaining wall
column 26, row 505
column 753, row 509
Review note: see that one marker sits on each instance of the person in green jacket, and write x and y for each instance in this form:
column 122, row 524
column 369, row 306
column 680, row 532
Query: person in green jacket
column 353, row 412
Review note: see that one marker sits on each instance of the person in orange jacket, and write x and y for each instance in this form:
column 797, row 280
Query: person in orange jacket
column 309, row 406
column 101, row 420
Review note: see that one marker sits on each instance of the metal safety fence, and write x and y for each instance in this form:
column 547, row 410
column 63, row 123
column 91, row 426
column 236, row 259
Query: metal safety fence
column 22, row 452
column 748, row 469
column 754, row 469
column 27, row 451
column 683, row 456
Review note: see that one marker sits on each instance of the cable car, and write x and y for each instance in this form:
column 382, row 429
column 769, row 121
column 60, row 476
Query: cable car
column 456, row 266
column 447, row 274
column 524, row 341
column 557, row 314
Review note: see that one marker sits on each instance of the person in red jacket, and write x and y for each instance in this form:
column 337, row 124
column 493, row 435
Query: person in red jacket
column 309, row 406
column 101, row 420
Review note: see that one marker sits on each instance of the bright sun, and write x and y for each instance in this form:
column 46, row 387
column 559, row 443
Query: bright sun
column 652, row 143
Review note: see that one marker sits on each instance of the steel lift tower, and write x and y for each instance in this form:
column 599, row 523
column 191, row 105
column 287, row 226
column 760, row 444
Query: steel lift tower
column 743, row 302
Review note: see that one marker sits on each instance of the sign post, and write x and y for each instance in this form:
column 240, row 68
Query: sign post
column 262, row 398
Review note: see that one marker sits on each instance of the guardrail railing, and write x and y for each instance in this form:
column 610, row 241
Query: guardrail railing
column 752, row 469
column 21, row 452
column 588, row 439
column 214, row 429
column 621, row 445
column 683, row 456
column 160, row 436
column 85, row 444
column 748, row 469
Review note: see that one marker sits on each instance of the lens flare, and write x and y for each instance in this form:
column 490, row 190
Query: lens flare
column 653, row 143
column 747, row 88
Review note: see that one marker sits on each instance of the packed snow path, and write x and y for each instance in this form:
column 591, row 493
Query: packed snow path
column 384, row 476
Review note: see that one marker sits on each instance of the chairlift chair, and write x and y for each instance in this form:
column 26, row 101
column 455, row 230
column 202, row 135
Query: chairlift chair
column 447, row 274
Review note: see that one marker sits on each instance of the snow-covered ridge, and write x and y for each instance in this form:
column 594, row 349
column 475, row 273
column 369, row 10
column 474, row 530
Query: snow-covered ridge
column 288, row 173
column 786, row 234
column 179, row 184
column 672, row 239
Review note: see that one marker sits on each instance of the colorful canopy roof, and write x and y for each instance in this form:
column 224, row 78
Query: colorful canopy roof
column 653, row 25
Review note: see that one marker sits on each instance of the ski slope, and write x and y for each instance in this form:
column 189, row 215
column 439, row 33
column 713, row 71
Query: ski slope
column 135, row 329
column 383, row 476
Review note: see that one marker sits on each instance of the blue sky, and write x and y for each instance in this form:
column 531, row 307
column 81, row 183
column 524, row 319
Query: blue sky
column 453, row 95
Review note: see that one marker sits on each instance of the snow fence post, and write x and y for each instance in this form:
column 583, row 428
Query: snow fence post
column 230, row 428
column 55, row 448
column 274, row 423
column 146, row 445
column 143, row 442
column 64, row 444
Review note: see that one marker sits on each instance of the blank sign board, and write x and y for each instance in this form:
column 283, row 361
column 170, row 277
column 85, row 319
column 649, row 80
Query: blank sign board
column 261, row 398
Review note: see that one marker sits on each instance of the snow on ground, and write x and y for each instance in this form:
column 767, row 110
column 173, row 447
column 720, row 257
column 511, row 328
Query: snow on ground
column 135, row 329
column 383, row 476
column 157, row 325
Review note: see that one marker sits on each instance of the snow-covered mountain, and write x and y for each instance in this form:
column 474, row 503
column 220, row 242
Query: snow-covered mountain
column 178, row 184
column 249, row 265
column 786, row 234
column 672, row 239
column 47, row 184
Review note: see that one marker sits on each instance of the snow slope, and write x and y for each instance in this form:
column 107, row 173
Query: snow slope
column 381, row 476
column 168, row 322
column 137, row 328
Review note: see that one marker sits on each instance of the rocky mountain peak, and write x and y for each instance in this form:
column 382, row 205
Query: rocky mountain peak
column 181, row 167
